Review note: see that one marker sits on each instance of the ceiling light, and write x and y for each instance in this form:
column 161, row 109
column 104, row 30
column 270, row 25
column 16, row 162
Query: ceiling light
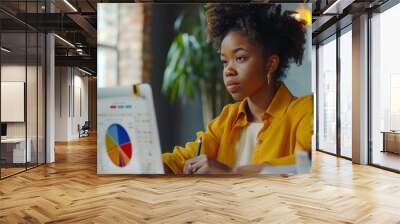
column 84, row 71
column 5, row 50
column 65, row 41
column 70, row 5
column 79, row 51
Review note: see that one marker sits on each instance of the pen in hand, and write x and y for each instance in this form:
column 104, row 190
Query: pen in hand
column 188, row 168
column 200, row 141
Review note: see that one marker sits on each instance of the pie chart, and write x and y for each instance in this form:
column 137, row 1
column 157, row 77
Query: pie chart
column 118, row 145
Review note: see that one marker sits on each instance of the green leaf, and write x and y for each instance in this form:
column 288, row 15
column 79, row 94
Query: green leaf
column 190, row 60
column 178, row 22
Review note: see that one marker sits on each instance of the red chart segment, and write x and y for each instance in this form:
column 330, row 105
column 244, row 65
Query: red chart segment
column 127, row 149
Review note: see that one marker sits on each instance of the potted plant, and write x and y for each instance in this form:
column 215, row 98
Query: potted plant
column 193, row 66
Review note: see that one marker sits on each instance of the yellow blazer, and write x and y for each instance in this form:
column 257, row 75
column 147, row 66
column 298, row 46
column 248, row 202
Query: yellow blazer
column 288, row 126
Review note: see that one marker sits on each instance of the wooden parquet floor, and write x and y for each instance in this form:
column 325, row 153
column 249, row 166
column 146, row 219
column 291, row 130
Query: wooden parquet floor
column 69, row 191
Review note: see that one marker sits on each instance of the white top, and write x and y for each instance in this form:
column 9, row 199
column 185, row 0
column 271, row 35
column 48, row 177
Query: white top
column 247, row 142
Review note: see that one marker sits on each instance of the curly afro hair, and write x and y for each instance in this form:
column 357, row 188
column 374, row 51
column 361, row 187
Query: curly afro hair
column 278, row 33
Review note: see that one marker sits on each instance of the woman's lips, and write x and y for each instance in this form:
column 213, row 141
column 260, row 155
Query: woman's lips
column 233, row 87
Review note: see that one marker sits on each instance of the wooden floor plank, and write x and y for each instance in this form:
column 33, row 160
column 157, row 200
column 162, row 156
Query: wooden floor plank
column 70, row 191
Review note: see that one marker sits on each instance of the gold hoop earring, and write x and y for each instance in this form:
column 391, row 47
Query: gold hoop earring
column 269, row 78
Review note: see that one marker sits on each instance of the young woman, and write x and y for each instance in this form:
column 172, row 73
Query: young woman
column 268, row 124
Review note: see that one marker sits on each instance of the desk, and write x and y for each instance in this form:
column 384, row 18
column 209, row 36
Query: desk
column 391, row 141
column 15, row 148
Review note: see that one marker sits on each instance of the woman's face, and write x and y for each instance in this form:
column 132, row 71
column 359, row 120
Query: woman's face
column 244, row 65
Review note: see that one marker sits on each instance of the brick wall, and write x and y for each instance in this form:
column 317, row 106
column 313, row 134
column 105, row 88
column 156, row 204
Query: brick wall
column 130, row 43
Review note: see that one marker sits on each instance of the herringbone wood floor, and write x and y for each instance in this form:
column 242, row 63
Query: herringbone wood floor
column 69, row 191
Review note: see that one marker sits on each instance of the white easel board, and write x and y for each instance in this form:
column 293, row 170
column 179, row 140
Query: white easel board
column 127, row 135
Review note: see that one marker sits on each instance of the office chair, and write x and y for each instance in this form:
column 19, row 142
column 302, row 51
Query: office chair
column 84, row 130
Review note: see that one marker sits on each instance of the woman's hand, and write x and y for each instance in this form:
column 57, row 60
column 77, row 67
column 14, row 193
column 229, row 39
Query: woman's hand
column 205, row 165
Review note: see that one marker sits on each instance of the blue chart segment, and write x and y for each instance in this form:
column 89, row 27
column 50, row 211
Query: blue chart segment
column 118, row 145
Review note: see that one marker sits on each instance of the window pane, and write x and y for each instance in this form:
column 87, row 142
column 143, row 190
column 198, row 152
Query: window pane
column 385, row 89
column 41, row 99
column 13, row 83
column 108, row 24
column 107, row 67
column 31, row 98
column 120, row 29
column 327, row 96
column 346, row 94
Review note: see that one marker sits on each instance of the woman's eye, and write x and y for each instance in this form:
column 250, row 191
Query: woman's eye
column 224, row 62
column 240, row 59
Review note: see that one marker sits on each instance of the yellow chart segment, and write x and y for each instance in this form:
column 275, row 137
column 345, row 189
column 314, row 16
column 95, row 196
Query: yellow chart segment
column 112, row 150
column 110, row 143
